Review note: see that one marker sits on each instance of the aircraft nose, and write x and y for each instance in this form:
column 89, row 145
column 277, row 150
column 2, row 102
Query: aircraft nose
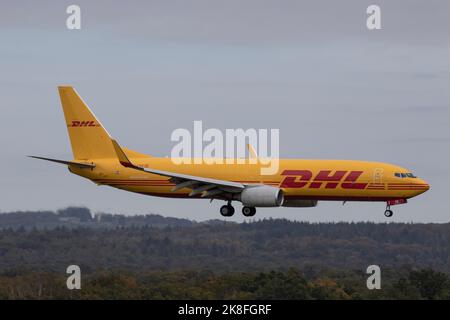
column 421, row 186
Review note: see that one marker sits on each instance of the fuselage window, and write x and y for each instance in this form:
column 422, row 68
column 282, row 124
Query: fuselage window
column 404, row 175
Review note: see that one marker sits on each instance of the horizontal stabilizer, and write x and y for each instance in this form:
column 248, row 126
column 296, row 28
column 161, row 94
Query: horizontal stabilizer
column 78, row 164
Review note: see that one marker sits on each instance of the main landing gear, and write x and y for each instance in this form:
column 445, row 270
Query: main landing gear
column 248, row 211
column 228, row 210
column 388, row 213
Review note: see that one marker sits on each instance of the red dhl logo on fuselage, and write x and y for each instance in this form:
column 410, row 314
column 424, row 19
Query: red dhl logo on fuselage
column 300, row 178
column 76, row 123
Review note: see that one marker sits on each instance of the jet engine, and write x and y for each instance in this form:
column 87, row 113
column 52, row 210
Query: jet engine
column 261, row 196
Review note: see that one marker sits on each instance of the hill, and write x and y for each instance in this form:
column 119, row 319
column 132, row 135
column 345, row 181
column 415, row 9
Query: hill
column 141, row 243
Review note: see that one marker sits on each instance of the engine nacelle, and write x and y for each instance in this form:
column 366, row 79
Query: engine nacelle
column 261, row 196
column 299, row 203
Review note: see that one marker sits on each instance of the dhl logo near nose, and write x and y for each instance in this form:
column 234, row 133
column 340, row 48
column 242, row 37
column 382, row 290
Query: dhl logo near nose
column 301, row 178
column 76, row 123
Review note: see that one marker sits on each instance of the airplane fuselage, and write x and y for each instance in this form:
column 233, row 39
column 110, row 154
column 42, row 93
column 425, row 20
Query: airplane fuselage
column 339, row 180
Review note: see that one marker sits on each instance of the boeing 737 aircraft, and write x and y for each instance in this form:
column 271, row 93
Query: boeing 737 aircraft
column 298, row 182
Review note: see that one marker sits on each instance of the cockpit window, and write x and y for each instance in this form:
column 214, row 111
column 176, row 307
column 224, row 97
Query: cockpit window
column 404, row 175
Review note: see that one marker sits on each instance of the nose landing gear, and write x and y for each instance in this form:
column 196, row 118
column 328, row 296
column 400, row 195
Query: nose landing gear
column 388, row 213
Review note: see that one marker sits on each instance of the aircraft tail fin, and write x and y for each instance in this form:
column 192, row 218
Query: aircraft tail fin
column 88, row 138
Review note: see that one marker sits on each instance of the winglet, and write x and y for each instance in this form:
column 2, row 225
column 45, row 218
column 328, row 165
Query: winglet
column 123, row 159
column 252, row 151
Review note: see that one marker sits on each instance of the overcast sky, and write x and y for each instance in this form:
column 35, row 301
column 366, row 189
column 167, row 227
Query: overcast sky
column 312, row 69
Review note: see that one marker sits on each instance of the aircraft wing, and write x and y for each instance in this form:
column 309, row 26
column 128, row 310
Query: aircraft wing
column 206, row 186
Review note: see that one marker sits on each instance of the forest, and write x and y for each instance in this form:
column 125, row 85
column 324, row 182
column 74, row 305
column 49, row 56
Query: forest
column 153, row 257
column 292, row 284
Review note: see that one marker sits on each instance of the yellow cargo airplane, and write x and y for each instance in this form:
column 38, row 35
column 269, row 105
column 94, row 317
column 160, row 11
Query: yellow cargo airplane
column 298, row 182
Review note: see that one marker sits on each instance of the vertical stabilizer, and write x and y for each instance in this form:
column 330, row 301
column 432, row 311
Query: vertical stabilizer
column 88, row 138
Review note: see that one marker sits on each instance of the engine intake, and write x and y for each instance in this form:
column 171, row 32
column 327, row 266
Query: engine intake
column 262, row 196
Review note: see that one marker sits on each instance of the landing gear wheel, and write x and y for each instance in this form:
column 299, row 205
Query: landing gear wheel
column 388, row 213
column 248, row 211
column 227, row 210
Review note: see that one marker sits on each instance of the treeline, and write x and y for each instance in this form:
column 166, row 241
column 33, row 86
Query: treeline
column 228, row 247
column 76, row 217
column 291, row 284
